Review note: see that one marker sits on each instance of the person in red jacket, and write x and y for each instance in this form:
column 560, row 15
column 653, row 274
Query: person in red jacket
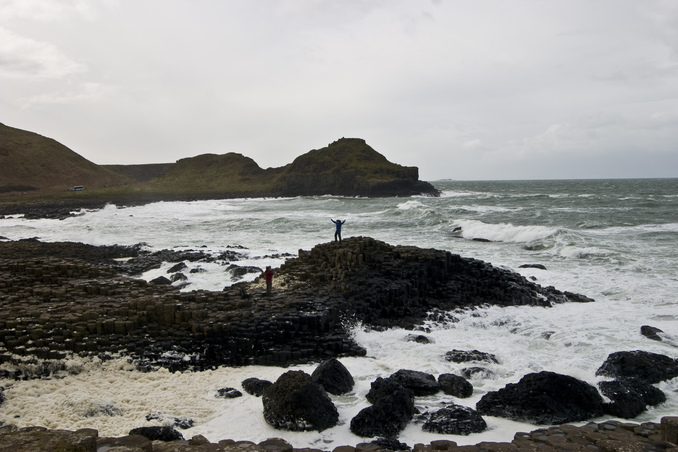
column 268, row 274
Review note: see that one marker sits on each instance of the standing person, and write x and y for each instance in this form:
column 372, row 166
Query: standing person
column 337, row 233
column 268, row 274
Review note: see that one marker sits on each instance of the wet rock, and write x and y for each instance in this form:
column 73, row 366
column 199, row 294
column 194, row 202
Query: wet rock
column 382, row 387
column 630, row 397
column 455, row 420
column 537, row 266
column 238, row 272
column 464, row 356
column 160, row 280
column 544, row 398
column 646, row 366
column 455, row 385
column 178, row 277
column 387, row 417
column 333, row 376
column 228, row 393
column 418, row 338
column 480, row 373
column 157, row 433
column 420, row 383
column 255, row 386
column 177, row 268
column 651, row 332
column 181, row 422
column 295, row 402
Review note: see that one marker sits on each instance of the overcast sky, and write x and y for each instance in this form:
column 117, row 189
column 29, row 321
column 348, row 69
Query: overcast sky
column 462, row 89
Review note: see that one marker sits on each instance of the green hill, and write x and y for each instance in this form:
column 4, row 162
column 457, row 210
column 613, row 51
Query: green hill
column 32, row 163
column 348, row 167
column 44, row 170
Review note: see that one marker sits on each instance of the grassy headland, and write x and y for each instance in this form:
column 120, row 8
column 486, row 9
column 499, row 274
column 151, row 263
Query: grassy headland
column 35, row 170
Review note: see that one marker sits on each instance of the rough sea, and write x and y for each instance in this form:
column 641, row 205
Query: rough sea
column 615, row 241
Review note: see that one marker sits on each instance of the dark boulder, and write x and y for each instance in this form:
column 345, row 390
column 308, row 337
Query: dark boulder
column 464, row 356
column 177, row 267
column 420, row 383
column 630, row 397
column 255, row 386
column 387, row 417
column 333, row 376
column 228, row 393
column 156, row 433
column 544, row 398
column 651, row 332
column 646, row 366
column 537, row 266
column 455, row 420
column 295, row 402
column 455, row 385
column 380, row 388
column 160, row 281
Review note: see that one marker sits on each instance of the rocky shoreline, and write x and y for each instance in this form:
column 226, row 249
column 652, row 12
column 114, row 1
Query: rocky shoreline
column 60, row 298
column 63, row 299
column 610, row 436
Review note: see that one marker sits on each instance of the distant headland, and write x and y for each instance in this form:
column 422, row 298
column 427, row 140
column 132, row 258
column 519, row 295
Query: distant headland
column 35, row 170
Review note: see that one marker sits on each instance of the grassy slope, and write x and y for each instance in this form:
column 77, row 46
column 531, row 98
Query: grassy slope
column 29, row 159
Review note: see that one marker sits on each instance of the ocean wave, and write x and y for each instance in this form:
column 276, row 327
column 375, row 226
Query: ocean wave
column 504, row 232
column 577, row 252
column 407, row 205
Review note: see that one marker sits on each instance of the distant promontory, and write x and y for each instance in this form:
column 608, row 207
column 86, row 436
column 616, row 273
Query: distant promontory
column 39, row 170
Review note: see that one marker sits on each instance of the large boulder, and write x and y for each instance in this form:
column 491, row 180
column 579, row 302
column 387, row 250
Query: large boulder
column 295, row 402
column 630, row 397
column 380, row 388
column 333, row 376
column 455, row 420
column 455, row 385
column 420, row 383
column 544, row 398
column 387, row 417
column 647, row 366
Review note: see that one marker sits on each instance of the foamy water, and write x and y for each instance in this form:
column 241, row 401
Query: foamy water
column 614, row 241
